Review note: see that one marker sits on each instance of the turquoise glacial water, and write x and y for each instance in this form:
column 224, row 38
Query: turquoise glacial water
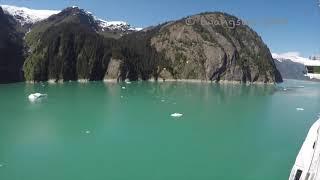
column 98, row 131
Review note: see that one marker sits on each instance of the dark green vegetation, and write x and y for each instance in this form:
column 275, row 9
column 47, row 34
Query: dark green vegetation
column 69, row 52
column 11, row 50
column 71, row 46
column 140, row 58
column 67, row 47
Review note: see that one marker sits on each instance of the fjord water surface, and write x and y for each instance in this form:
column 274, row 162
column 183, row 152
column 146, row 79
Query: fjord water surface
column 101, row 131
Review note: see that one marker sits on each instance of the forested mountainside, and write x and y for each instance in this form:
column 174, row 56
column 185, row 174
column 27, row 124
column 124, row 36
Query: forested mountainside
column 67, row 47
column 71, row 45
column 11, row 49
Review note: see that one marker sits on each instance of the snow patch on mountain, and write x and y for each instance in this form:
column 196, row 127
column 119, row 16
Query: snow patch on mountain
column 30, row 16
column 295, row 57
column 113, row 25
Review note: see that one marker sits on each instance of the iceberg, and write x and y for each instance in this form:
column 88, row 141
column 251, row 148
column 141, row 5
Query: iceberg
column 300, row 109
column 36, row 96
column 176, row 115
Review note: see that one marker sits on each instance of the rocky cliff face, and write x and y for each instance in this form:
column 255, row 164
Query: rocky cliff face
column 11, row 50
column 209, row 46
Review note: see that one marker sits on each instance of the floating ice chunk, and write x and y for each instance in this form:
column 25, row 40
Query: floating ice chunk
column 1, row 165
column 128, row 82
column 36, row 96
column 123, row 87
column 121, row 96
column 162, row 100
column 176, row 115
column 300, row 109
column 284, row 89
column 87, row 132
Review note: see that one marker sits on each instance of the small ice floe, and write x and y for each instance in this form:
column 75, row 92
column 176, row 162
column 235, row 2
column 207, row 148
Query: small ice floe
column 128, row 82
column 121, row 97
column 162, row 100
column 87, row 132
column 299, row 109
column 285, row 89
column 36, row 96
column 176, row 115
column 123, row 87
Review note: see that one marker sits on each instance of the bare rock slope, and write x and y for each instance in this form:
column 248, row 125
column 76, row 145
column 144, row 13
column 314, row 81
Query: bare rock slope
column 207, row 46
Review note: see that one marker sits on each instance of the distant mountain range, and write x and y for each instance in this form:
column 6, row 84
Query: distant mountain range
column 73, row 44
column 292, row 65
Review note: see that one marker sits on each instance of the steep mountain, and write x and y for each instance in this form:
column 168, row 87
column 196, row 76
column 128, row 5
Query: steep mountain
column 216, row 47
column 208, row 46
column 11, row 49
column 66, row 46
column 291, row 70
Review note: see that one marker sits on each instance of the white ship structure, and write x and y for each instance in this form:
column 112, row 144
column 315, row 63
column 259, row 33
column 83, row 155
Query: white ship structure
column 307, row 162
column 313, row 69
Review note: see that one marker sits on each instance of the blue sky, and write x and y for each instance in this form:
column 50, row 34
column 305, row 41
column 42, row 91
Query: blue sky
column 284, row 25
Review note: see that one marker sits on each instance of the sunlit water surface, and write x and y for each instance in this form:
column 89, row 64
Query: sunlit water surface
column 98, row 131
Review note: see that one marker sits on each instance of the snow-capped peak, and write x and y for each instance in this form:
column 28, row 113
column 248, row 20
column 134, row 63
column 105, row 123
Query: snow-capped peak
column 30, row 16
column 113, row 25
column 27, row 16
column 116, row 25
column 295, row 57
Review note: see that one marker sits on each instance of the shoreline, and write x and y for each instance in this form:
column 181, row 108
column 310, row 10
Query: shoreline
column 213, row 82
column 52, row 81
